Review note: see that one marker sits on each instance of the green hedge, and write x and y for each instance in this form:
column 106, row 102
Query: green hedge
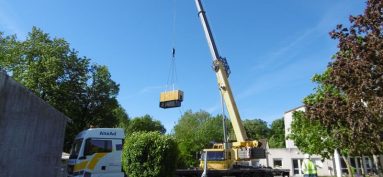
column 149, row 154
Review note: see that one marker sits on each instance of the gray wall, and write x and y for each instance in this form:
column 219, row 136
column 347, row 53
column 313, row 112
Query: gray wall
column 31, row 133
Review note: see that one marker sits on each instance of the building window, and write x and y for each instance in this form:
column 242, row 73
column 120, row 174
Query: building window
column 297, row 168
column 277, row 163
column 352, row 162
column 368, row 163
column 357, row 164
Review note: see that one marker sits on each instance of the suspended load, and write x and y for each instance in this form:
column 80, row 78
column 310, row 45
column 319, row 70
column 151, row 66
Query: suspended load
column 171, row 99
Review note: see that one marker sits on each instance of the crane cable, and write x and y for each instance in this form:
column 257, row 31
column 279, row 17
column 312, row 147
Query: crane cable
column 225, row 132
column 172, row 76
column 174, row 47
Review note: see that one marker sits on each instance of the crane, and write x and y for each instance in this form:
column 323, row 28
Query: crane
column 243, row 150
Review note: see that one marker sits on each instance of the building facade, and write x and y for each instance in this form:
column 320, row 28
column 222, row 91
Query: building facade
column 291, row 157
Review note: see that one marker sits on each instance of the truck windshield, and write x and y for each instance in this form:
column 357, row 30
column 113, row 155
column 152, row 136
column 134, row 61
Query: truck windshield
column 214, row 156
column 75, row 150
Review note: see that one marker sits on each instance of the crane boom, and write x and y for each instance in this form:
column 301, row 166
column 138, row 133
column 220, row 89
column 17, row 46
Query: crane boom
column 208, row 33
column 222, row 71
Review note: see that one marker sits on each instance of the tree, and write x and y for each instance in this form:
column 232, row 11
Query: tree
column 358, row 65
column 351, row 103
column 123, row 118
column 256, row 129
column 277, row 134
column 54, row 72
column 309, row 132
column 311, row 137
column 145, row 124
column 357, row 72
column 348, row 100
column 6, row 44
column 101, row 97
column 149, row 154
column 195, row 132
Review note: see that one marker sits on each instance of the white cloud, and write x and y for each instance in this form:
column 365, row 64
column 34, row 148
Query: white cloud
column 149, row 89
column 288, row 62
column 328, row 22
column 280, row 77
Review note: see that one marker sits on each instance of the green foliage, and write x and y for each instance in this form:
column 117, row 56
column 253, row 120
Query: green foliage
column 197, row 131
column 101, row 96
column 54, row 72
column 149, row 154
column 123, row 118
column 145, row 124
column 311, row 137
column 194, row 132
column 277, row 134
column 256, row 129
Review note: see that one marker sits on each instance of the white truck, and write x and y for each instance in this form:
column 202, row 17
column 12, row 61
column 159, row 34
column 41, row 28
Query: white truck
column 96, row 152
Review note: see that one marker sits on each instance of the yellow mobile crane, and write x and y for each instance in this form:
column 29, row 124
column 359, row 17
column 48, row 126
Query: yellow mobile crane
column 228, row 159
column 226, row 155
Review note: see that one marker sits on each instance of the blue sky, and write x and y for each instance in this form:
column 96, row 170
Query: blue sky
column 273, row 47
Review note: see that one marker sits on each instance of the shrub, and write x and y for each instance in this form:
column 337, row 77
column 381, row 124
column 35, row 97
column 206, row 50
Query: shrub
column 149, row 154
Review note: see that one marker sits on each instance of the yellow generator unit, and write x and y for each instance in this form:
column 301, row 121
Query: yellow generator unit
column 171, row 99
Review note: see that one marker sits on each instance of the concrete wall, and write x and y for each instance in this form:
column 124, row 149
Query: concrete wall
column 288, row 118
column 31, row 133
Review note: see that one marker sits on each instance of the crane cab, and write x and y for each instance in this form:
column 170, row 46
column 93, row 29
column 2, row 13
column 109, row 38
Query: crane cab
column 217, row 159
column 171, row 99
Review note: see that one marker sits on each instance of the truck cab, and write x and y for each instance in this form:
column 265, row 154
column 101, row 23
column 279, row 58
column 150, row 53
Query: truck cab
column 97, row 152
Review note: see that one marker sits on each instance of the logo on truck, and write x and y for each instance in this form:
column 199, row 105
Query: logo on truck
column 108, row 133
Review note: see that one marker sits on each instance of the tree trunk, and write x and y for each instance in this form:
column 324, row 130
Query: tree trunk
column 337, row 167
column 377, row 165
column 349, row 168
column 362, row 169
column 381, row 163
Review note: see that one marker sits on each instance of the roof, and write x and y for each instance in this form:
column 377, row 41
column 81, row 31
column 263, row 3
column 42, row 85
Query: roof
column 294, row 109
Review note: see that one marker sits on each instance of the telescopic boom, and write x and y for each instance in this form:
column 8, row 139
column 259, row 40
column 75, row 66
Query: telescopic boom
column 222, row 71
